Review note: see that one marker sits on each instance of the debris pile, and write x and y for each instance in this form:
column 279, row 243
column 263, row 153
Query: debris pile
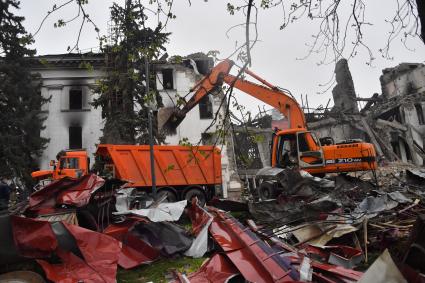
column 324, row 230
column 347, row 220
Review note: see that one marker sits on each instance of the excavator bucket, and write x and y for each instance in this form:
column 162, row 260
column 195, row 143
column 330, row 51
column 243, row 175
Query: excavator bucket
column 169, row 118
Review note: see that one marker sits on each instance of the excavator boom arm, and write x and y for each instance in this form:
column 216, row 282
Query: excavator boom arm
column 266, row 93
column 273, row 97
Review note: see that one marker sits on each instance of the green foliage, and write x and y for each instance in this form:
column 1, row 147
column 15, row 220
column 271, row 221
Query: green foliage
column 20, row 99
column 87, row 66
column 59, row 23
column 160, row 271
column 185, row 142
column 122, row 94
column 176, row 59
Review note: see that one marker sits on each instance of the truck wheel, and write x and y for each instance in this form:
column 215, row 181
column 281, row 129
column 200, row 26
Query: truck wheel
column 195, row 192
column 171, row 196
column 267, row 191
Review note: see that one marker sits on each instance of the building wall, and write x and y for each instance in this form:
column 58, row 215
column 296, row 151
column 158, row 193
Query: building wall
column 56, row 84
column 403, row 79
column 415, row 129
column 338, row 130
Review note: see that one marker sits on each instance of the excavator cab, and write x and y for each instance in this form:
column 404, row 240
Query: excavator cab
column 298, row 149
column 310, row 153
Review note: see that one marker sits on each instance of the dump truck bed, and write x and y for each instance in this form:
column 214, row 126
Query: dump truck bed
column 174, row 165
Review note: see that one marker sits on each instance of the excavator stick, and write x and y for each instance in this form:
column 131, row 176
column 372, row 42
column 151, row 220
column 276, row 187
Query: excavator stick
column 170, row 118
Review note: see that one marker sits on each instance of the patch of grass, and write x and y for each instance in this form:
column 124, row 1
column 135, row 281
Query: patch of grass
column 159, row 271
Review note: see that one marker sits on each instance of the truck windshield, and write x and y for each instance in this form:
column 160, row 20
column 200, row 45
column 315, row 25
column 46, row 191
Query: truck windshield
column 69, row 163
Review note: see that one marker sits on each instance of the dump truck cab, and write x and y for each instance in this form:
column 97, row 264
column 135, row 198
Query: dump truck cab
column 69, row 163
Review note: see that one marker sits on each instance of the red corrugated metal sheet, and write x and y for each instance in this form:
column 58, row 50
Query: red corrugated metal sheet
column 134, row 251
column 256, row 261
column 99, row 252
column 68, row 191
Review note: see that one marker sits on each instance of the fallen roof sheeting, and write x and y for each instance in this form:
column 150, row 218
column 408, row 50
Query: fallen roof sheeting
column 134, row 251
column 217, row 269
column 66, row 191
column 201, row 221
column 99, row 252
column 163, row 212
column 256, row 261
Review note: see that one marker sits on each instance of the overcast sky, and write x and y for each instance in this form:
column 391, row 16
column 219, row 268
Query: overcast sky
column 202, row 26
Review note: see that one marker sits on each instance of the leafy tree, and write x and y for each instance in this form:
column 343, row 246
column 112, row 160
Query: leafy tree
column 20, row 99
column 122, row 93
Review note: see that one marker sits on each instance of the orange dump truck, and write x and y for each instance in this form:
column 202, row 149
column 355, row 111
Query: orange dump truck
column 182, row 172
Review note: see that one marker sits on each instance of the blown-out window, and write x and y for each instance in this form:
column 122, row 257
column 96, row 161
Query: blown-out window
column 205, row 108
column 75, row 99
column 75, row 137
column 167, row 79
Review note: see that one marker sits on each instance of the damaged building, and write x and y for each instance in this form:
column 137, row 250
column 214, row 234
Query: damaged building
column 393, row 121
column 71, row 121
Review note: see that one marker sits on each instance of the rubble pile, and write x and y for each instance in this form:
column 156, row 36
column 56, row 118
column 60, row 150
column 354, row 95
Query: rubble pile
column 347, row 220
column 324, row 230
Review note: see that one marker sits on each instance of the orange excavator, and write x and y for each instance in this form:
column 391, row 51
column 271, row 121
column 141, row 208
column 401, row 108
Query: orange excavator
column 295, row 147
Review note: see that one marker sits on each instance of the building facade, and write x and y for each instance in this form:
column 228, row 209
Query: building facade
column 71, row 122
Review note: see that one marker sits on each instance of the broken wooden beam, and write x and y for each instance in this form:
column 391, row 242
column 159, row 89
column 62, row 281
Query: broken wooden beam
column 372, row 137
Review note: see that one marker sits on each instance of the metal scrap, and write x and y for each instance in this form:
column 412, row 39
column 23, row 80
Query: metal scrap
column 162, row 212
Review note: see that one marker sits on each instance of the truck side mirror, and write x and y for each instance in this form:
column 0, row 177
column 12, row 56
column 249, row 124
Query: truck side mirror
column 52, row 163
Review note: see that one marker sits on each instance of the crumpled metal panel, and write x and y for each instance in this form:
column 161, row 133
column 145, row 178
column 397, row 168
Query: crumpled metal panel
column 324, row 272
column 67, row 191
column 72, row 270
column 9, row 253
column 163, row 212
column 198, row 216
column 228, row 241
column 100, row 251
column 134, row 251
column 79, row 194
column 166, row 237
column 33, row 238
column 255, row 260
column 97, row 256
column 218, row 269
column 201, row 221
column 120, row 230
